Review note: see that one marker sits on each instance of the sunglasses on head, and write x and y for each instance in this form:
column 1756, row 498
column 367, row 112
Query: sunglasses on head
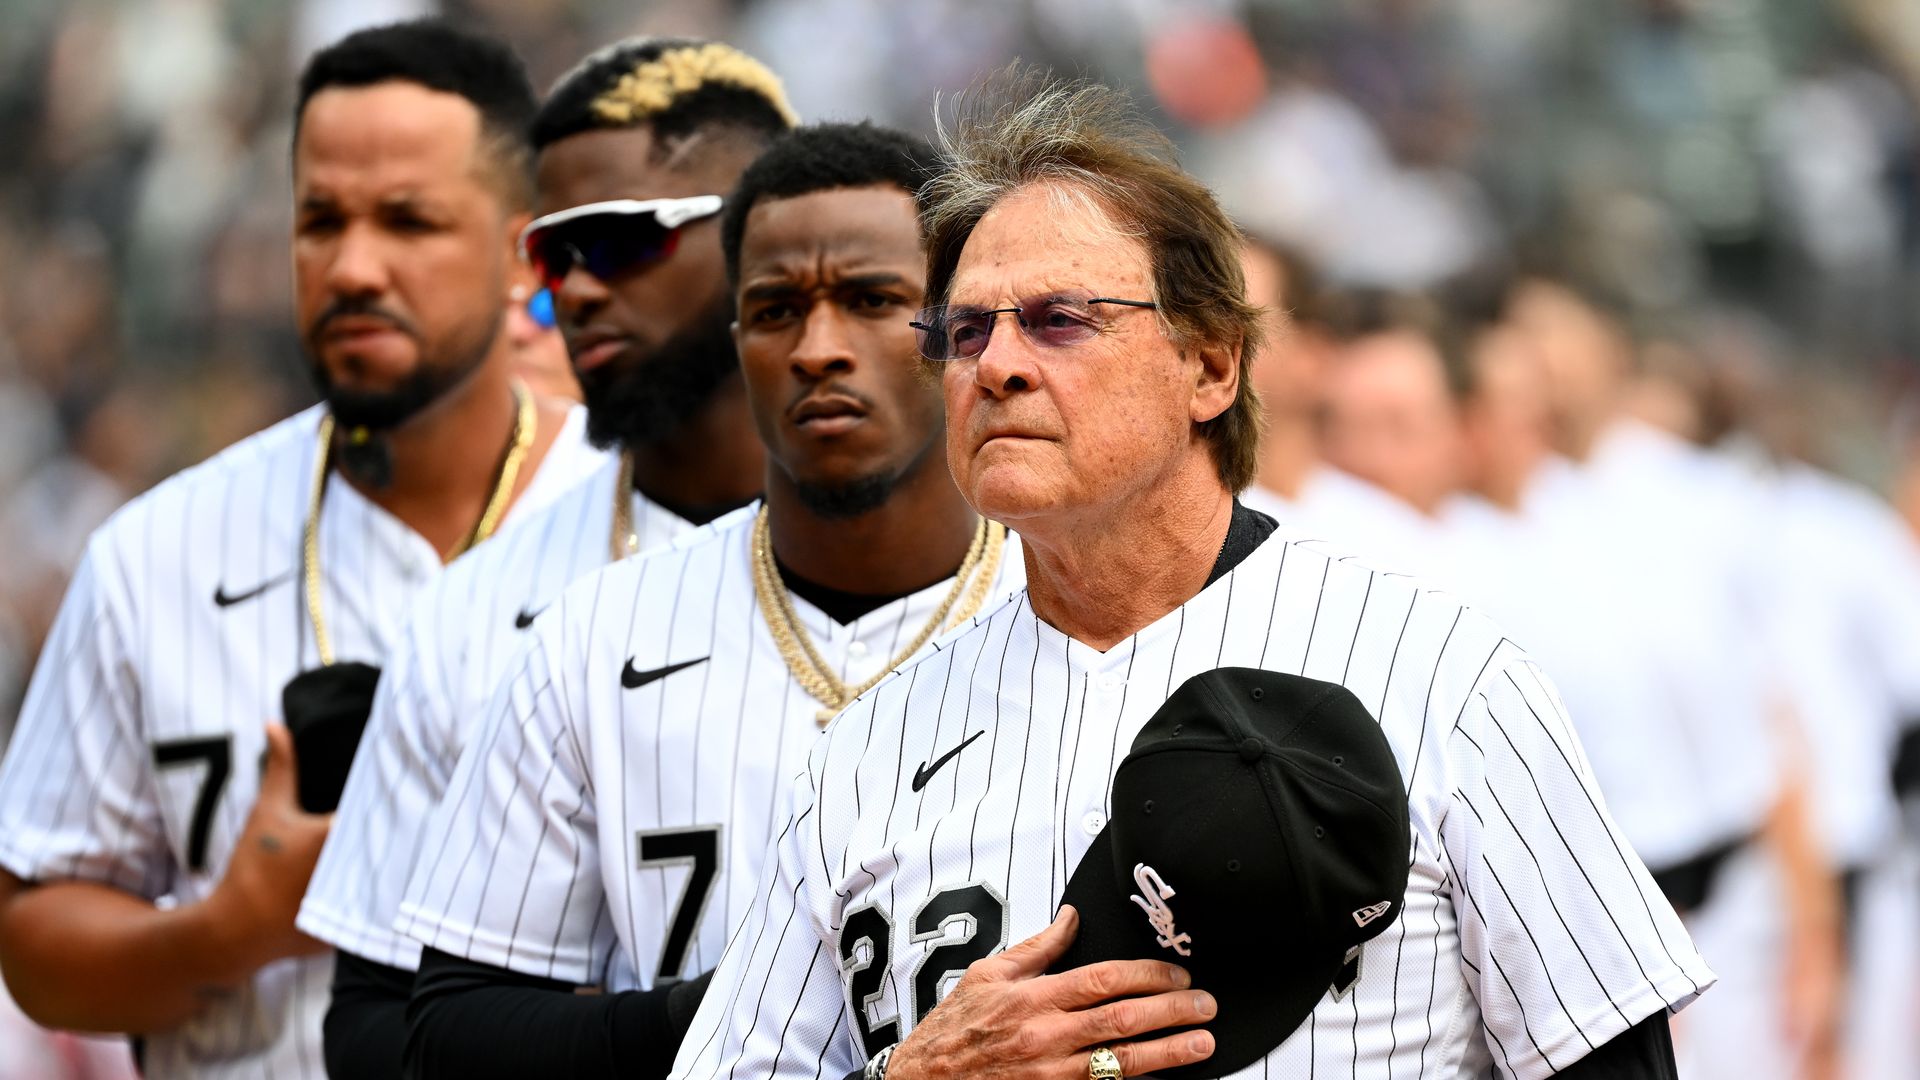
column 608, row 238
column 1052, row 321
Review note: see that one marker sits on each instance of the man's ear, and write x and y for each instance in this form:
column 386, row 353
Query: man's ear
column 1216, row 380
column 520, row 276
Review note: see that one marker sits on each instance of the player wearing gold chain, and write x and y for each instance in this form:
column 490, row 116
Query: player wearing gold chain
column 157, row 832
column 607, row 818
column 636, row 147
column 813, row 671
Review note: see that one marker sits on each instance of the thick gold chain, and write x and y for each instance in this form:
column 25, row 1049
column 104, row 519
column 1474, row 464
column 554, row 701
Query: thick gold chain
column 624, row 540
column 525, row 421
column 811, row 670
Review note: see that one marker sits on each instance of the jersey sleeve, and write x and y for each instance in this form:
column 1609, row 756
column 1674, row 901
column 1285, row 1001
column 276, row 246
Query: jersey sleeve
column 509, row 866
column 1564, row 937
column 1892, row 599
column 77, row 799
column 775, row 1007
column 403, row 766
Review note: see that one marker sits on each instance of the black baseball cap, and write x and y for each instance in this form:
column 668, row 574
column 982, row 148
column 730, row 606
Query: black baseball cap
column 1259, row 835
column 326, row 710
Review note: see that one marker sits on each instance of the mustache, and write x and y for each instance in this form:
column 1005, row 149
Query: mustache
column 361, row 307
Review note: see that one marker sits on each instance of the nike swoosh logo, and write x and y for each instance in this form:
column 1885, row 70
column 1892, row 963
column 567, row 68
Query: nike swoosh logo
column 634, row 680
column 223, row 598
column 925, row 772
column 525, row 618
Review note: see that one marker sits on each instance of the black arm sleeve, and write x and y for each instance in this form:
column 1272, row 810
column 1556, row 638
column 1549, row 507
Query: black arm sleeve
column 479, row 1022
column 1642, row 1052
column 366, row 1025
column 1906, row 763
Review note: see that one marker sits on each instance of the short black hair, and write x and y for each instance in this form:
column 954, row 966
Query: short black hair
column 438, row 55
column 674, row 86
column 822, row 157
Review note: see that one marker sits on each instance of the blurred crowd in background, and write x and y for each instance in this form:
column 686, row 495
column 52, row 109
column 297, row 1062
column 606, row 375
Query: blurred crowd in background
column 1741, row 165
column 1502, row 226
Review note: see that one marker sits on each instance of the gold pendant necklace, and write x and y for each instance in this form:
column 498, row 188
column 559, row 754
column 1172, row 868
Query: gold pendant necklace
column 811, row 670
column 526, row 419
column 624, row 540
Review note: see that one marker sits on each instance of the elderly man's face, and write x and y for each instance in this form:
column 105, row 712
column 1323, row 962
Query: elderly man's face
column 1035, row 431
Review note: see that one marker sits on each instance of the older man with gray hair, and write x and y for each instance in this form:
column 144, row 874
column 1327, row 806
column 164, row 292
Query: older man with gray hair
column 1256, row 807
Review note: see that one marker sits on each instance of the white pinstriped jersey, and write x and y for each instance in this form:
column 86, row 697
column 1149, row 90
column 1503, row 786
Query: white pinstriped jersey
column 136, row 760
column 463, row 631
column 613, row 810
column 1528, row 935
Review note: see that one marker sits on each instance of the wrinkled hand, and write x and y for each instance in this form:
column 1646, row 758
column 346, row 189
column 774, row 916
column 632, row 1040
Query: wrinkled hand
column 1007, row 1018
column 272, row 861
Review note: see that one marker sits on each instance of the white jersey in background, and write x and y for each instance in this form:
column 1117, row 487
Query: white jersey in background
column 434, row 691
column 942, row 814
column 1336, row 505
column 614, row 806
column 1668, row 547
column 1847, row 608
column 137, row 757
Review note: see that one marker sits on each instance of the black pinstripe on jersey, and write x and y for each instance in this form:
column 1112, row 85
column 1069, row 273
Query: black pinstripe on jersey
column 553, row 852
column 142, row 658
column 1528, row 934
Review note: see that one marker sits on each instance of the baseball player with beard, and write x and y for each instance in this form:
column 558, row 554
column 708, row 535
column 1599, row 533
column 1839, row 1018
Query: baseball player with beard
column 152, row 867
column 636, row 147
column 609, row 816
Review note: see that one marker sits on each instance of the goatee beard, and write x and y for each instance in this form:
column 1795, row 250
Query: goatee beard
column 642, row 400
column 435, row 373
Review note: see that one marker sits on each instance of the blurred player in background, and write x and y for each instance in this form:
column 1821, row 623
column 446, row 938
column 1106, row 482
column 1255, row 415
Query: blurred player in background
column 656, row 122
column 1635, row 565
column 540, row 353
column 1845, row 628
column 1389, row 421
column 1297, row 484
column 136, row 772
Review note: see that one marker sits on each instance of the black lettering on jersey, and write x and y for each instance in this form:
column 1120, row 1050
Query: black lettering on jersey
column 974, row 910
column 869, row 931
column 217, row 752
column 699, row 848
column 1349, row 976
column 980, row 916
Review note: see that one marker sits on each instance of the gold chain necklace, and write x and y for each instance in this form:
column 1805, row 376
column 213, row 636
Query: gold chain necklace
column 624, row 541
column 812, row 671
column 526, row 419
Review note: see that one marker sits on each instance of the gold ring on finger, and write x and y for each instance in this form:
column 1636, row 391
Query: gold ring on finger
column 1104, row 1065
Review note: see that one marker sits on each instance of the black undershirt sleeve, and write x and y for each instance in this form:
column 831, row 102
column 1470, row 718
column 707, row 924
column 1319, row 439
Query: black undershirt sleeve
column 366, row 1024
column 1642, row 1052
column 478, row 1022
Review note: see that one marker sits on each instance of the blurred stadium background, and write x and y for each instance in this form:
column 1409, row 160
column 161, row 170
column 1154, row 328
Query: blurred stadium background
column 1750, row 163
column 1741, row 176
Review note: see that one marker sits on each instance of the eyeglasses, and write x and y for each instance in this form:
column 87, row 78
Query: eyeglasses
column 607, row 238
column 1051, row 321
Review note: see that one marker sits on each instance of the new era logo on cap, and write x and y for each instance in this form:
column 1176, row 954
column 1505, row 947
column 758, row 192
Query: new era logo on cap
column 1371, row 912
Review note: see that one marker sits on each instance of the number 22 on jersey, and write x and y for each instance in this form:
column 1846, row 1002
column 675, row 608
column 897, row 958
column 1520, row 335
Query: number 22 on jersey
column 956, row 927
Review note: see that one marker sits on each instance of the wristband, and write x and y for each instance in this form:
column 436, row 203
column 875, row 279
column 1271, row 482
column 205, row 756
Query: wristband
column 877, row 1064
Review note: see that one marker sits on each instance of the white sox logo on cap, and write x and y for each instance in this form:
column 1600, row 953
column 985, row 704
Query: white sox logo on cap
column 1154, row 903
column 1371, row 912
